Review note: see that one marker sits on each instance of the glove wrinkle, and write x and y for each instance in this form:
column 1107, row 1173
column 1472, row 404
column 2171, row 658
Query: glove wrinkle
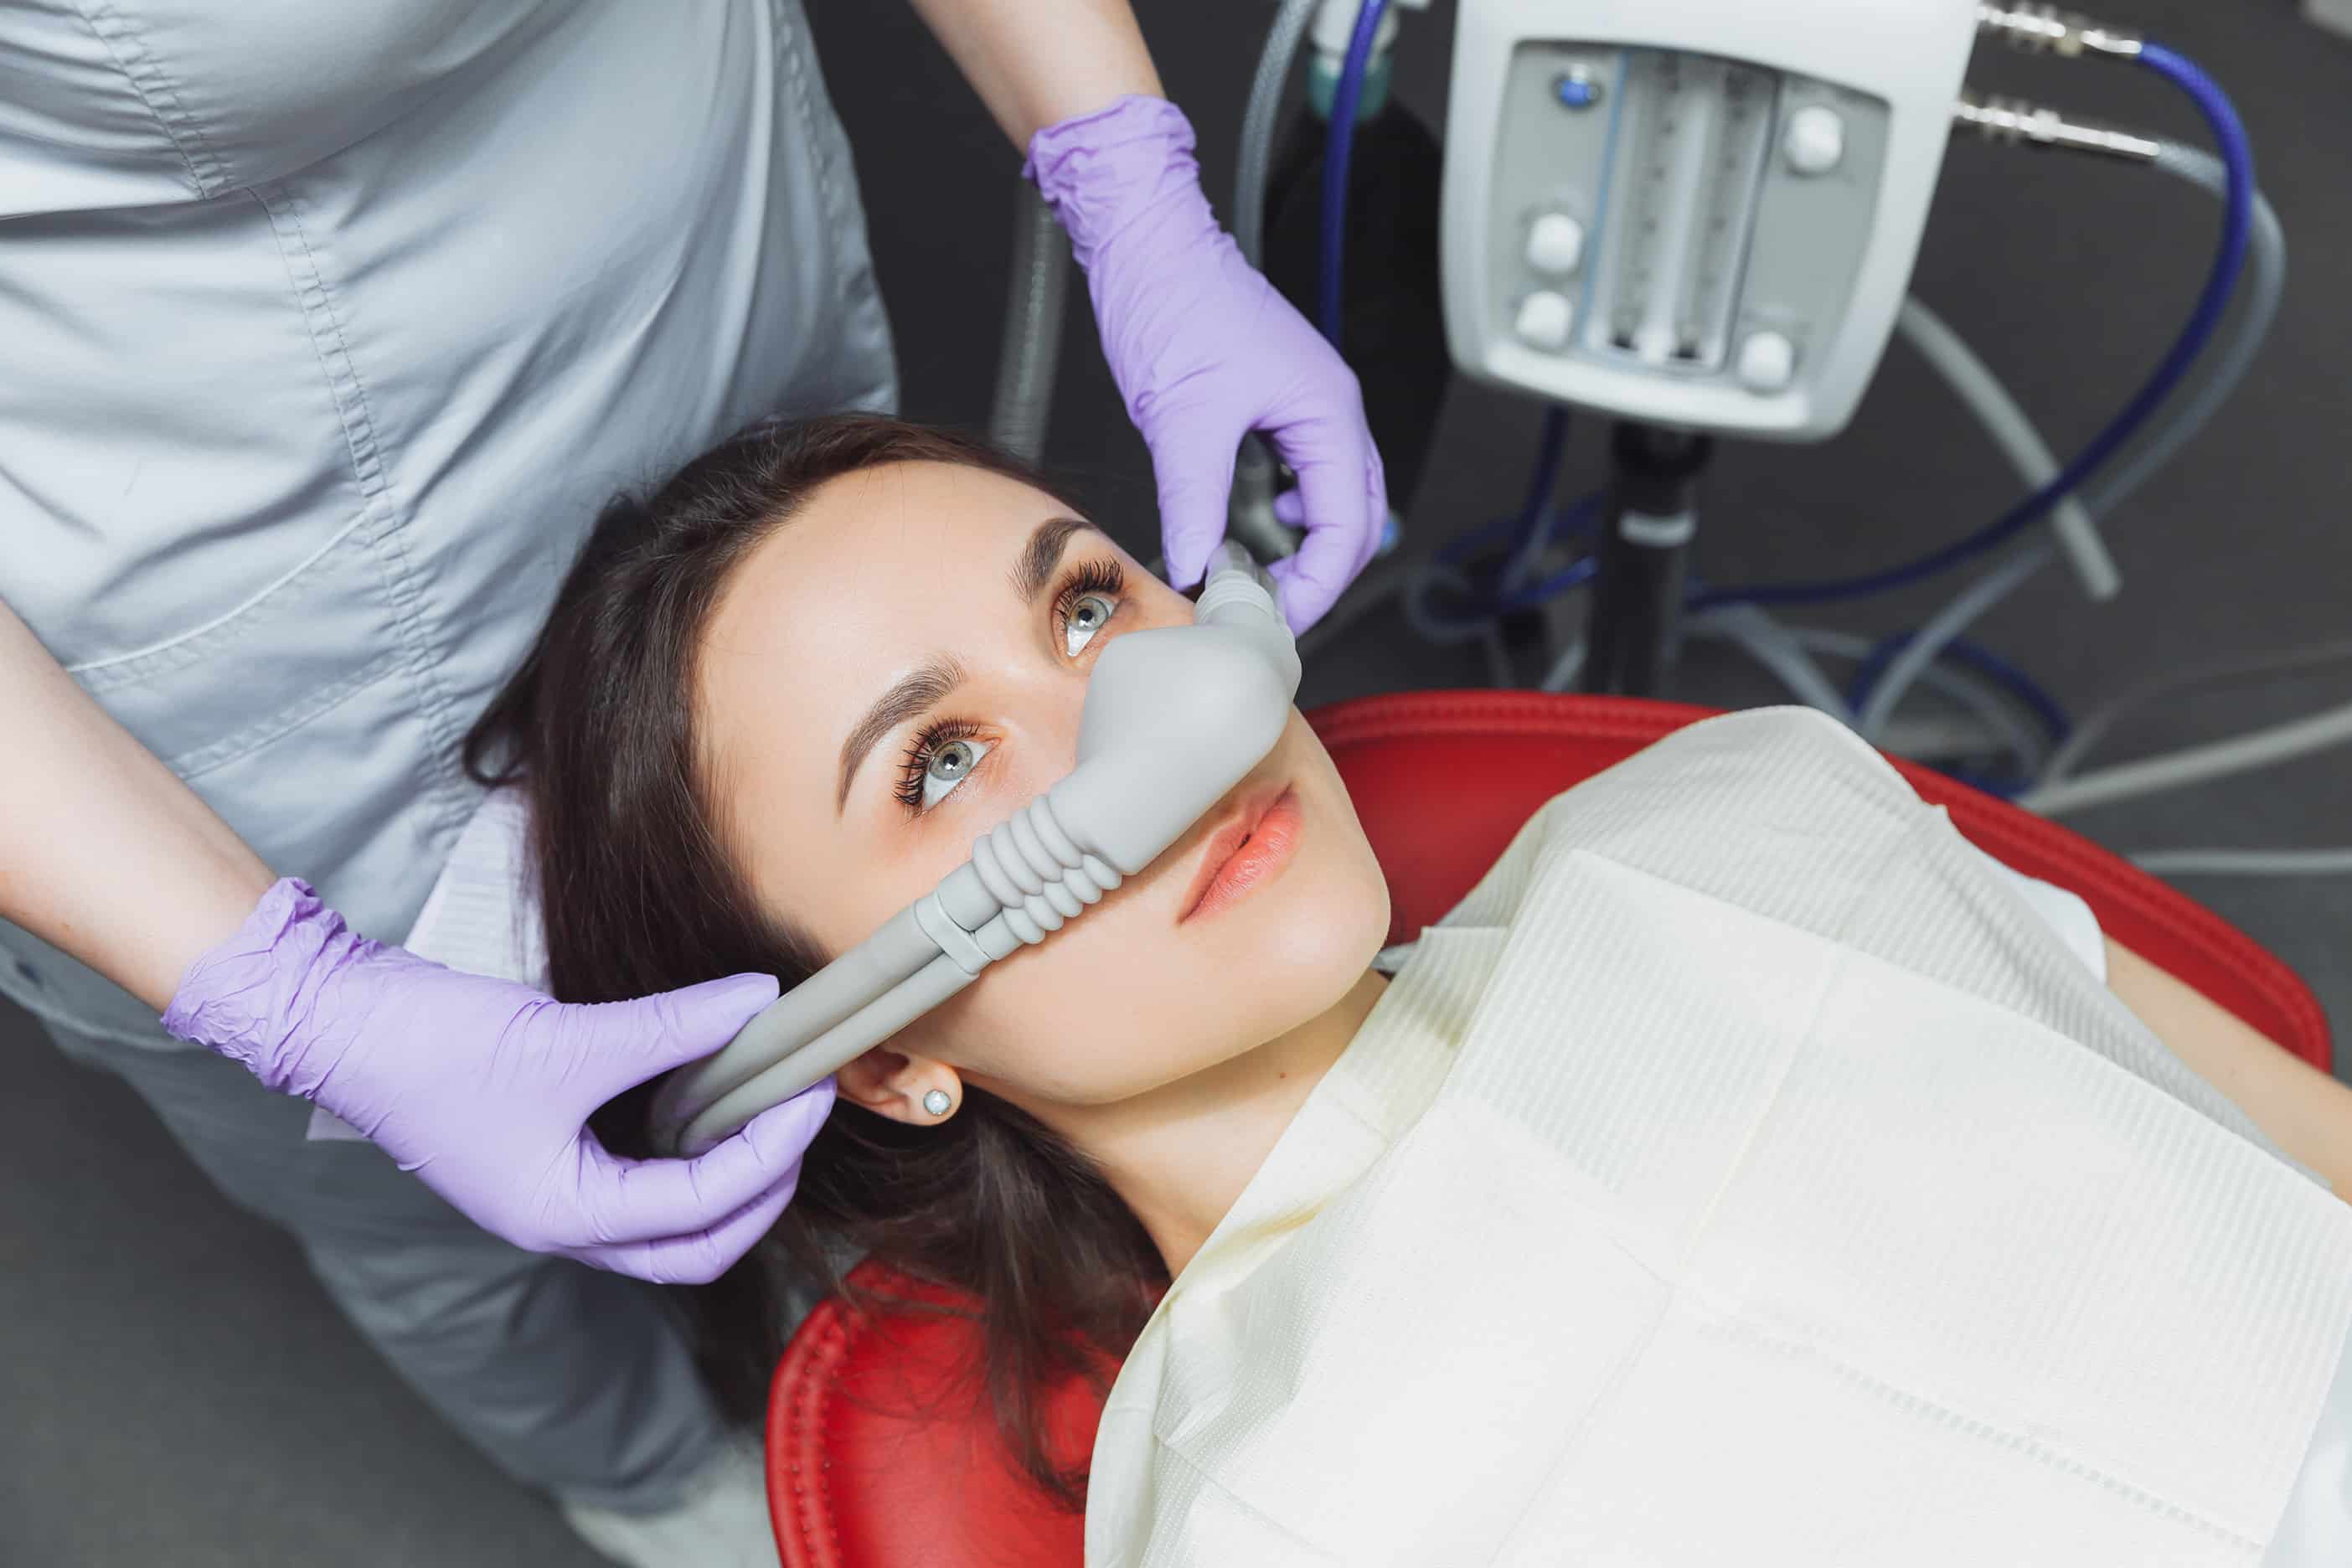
column 1201, row 347
column 482, row 1088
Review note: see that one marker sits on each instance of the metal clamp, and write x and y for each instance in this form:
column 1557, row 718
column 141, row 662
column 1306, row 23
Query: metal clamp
column 2036, row 28
column 2011, row 122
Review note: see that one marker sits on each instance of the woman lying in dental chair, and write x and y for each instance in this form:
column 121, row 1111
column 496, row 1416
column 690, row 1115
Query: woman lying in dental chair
column 1746, row 1168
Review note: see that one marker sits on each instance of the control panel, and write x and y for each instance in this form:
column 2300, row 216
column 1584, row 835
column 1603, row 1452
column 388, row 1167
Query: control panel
column 1689, row 234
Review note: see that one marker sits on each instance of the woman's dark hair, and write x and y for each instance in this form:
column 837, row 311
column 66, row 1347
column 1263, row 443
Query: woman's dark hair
column 641, row 895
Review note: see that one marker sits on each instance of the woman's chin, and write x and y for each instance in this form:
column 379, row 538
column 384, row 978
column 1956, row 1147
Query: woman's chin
column 1312, row 926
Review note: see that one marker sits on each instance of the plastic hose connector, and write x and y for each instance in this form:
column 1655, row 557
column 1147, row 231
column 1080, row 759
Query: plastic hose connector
column 953, row 940
column 1036, row 873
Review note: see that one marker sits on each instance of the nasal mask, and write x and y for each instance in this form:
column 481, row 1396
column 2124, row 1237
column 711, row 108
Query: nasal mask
column 1174, row 719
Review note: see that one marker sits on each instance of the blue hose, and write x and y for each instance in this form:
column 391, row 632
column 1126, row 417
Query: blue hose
column 1576, row 574
column 1535, row 512
column 1535, row 522
column 1455, row 552
column 1345, row 96
column 2005, row 675
column 2237, row 158
column 2020, row 684
column 1534, row 527
column 1557, row 524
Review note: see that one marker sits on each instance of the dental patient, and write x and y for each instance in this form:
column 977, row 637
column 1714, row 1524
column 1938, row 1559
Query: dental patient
column 1439, row 1244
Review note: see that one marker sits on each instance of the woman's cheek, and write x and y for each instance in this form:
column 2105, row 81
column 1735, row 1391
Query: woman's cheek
column 1080, row 1032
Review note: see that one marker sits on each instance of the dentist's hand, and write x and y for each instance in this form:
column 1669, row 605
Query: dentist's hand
column 1204, row 351
column 483, row 1087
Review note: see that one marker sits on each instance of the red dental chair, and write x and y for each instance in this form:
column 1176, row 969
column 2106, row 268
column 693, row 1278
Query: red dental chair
column 876, row 1460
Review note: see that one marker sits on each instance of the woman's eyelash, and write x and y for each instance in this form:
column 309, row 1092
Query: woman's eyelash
column 1106, row 578
column 919, row 752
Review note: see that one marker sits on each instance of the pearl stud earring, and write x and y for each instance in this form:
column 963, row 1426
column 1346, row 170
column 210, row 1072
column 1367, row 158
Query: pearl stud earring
column 938, row 1103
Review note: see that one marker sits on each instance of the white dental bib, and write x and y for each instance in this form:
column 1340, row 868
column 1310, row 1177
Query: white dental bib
column 1741, row 1173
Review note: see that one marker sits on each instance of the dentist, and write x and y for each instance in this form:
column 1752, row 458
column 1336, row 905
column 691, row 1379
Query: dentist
column 328, row 328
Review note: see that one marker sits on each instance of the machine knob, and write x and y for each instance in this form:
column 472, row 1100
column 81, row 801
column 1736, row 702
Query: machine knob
column 1556, row 244
column 1544, row 320
column 1815, row 139
column 1767, row 362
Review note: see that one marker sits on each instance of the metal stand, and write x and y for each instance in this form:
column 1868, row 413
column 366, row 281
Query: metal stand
column 1637, row 592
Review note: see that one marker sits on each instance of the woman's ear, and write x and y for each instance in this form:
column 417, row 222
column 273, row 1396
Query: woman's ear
column 917, row 1090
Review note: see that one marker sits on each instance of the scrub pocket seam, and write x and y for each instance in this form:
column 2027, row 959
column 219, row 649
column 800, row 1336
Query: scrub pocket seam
column 191, row 765
column 114, row 671
column 379, row 522
column 146, row 77
column 791, row 27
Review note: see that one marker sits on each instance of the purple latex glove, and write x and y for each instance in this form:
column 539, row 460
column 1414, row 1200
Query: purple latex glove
column 1204, row 351
column 483, row 1087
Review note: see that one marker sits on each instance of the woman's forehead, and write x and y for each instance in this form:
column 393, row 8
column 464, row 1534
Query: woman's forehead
column 878, row 573
column 875, row 515
column 870, row 550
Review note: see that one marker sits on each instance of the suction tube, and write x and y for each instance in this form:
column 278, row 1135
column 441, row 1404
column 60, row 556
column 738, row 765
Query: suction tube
column 1174, row 719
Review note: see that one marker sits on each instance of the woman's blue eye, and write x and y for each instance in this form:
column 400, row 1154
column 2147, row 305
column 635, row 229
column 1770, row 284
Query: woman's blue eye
column 1088, row 615
column 950, row 765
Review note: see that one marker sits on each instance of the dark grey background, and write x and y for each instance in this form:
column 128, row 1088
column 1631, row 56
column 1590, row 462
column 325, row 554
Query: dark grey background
column 174, row 1389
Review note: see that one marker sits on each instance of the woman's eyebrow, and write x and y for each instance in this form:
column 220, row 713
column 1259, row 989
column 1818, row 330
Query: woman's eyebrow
column 1033, row 574
column 1033, row 570
column 914, row 695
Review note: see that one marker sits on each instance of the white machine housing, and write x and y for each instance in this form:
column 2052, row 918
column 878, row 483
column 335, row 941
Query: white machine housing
column 1695, row 213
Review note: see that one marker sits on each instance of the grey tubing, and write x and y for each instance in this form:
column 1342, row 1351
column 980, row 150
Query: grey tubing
column 2263, row 287
column 1254, row 470
column 1974, row 384
column 2265, row 283
column 2003, row 725
column 900, row 949
column 1273, row 67
column 2092, row 728
column 828, row 1053
column 1174, row 719
column 2194, row 765
column 1033, row 328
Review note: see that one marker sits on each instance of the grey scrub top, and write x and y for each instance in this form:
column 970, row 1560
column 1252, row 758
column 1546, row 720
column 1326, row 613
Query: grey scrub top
column 325, row 327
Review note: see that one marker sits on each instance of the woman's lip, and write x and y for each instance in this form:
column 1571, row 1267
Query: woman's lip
column 1253, row 844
